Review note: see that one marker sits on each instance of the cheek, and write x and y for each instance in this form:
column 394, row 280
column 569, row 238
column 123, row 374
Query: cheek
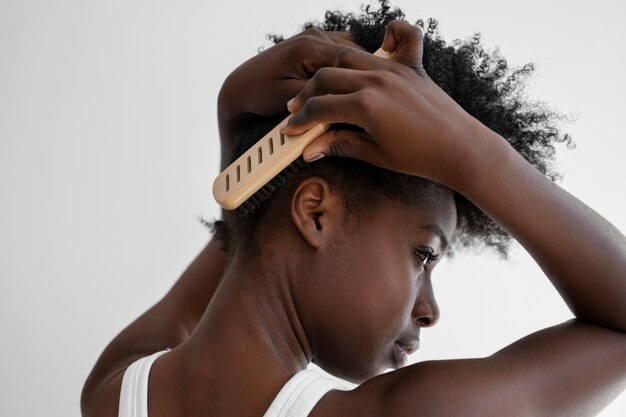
column 380, row 297
column 369, row 291
column 388, row 277
column 388, row 280
column 359, row 345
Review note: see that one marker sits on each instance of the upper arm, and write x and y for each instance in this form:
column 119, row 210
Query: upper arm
column 165, row 325
column 574, row 369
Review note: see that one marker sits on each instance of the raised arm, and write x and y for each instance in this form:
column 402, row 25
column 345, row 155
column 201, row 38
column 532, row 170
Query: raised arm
column 260, row 86
column 412, row 126
column 166, row 325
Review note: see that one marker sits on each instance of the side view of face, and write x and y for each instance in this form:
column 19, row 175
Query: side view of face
column 372, row 290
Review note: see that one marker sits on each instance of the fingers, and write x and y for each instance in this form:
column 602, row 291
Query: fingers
column 345, row 39
column 329, row 81
column 317, row 49
column 342, row 108
column 340, row 143
column 328, row 49
column 342, row 35
column 342, row 94
column 407, row 43
column 274, row 103
column 359, row 59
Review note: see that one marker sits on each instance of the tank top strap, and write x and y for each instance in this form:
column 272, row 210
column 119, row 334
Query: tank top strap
column 134, row 393
column 302, row 392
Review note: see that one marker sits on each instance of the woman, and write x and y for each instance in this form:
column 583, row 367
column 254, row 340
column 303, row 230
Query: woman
column 336, row 268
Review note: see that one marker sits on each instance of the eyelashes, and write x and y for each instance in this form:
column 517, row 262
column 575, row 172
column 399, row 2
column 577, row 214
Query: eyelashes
column 426, row 255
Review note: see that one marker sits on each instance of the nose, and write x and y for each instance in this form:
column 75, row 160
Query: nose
column 425, row 310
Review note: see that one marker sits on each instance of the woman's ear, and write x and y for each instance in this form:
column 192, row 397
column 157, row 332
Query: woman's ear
column 316, row 210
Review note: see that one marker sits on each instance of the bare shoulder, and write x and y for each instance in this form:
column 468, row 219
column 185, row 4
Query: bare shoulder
column 573, row 369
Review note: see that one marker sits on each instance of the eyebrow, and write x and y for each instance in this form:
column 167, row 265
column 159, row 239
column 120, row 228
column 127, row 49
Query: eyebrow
column 437, row 230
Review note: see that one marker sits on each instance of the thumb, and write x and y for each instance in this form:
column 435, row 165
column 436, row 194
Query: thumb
column 406, row 41
column 338, row 143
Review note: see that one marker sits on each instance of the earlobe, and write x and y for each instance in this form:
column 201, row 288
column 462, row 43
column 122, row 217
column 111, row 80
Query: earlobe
column 312, row 207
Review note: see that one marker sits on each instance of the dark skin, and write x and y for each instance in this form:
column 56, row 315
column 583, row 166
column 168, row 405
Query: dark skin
column 346, row 302
column 278, row 74
column 264, row 83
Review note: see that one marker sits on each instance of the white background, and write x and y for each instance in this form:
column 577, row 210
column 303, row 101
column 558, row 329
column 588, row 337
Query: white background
column 109, row 145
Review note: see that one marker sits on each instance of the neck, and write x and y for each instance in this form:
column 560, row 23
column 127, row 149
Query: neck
column 260, row 293
column 251, row 332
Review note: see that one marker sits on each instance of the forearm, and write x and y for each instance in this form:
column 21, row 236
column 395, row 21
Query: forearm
column 176, row 315
column 581, row 253
column 227, row 119
column 193, row 291
column 573, row 369
column 227, row 135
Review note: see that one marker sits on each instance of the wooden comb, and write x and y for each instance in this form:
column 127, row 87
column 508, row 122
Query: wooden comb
column 263, row 161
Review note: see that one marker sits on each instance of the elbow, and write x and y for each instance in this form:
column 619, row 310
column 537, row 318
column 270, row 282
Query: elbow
column 100, row 396
column 615, row 322
column 87, row 398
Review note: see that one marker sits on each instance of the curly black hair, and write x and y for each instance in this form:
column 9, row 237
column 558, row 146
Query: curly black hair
column 481, row 82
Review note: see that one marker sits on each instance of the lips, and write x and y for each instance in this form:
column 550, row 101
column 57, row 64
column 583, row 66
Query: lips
column 402, row 350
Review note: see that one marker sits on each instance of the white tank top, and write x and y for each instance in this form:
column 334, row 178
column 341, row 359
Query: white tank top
column 296, row 399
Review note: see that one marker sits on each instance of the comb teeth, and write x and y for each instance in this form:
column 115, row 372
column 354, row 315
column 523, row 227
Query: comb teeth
column 266, row 192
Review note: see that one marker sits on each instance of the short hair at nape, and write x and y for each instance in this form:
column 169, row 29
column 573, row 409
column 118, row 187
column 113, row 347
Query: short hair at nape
column 481, row 82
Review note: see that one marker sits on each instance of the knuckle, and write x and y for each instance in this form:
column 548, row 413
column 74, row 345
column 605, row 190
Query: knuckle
column 407, row 28
column 365, row 102
column 306, row 42
column 321, row 76
column 394, row 24
column 344, row 56
column 336, row 148
column 311, row 107
column 419, row 32
column 314, row 85
column 308, row 38
column 309, row 110
column 412, row 29
column 379, row 79
column 313, row 32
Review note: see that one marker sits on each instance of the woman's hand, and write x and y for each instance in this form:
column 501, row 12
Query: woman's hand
column 410, row 125
column 263, row 84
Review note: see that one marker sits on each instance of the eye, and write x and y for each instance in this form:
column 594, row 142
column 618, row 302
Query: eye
column 426, row 255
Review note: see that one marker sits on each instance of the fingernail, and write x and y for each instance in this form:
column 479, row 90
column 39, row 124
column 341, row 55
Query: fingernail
column 290, row 103
column 283, row 126
column 315, row 157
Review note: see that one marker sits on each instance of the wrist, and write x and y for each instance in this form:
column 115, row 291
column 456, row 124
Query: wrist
column 226, row 106
column 486, row 152
column 231, row 99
